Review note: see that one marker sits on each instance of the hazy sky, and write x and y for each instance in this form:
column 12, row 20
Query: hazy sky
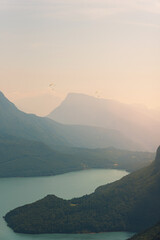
column 107, row 46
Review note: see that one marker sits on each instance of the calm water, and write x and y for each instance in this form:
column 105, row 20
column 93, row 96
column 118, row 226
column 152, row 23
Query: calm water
column 19, row 191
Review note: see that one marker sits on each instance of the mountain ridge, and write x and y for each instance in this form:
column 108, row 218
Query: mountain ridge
column 23, row 136
column 138, row 124
column 25, row 158
column 17, row 123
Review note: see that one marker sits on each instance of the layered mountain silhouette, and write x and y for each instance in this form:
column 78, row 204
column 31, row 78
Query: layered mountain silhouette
column 134, row 121
column 17, row 123
column 130, row 204
column 36, row 146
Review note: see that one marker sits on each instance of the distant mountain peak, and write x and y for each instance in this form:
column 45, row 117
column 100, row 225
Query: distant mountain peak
column 83, row 97
column 73, row 94
column 78, row 98
column 136, row 123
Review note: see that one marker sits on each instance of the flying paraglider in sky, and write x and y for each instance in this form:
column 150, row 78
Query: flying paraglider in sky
column 52, row 86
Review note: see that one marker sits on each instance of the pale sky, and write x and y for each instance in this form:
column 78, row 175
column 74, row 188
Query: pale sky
column 107, row 46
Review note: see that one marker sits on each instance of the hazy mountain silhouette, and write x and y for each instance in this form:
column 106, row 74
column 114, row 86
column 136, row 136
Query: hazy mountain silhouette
column 17, row 123
column 134, row 121
column 36, row 146
column 29, row 126
column 129, row 204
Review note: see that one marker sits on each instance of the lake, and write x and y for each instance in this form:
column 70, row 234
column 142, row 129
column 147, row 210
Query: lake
column 19, row 191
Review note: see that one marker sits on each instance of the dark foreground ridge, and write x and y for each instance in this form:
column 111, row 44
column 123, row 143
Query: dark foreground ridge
column 152, row 233
column 130, row 204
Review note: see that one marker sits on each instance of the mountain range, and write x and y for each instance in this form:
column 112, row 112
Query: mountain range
column 37, row 146
column 129, row 204
column 136, row 122
column 29, row 126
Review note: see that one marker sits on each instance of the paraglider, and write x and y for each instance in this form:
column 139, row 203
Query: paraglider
column 52, row 85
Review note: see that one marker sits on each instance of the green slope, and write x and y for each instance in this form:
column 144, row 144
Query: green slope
column 24, row 158
column 112, row 158
column 130, row 204
column 152, row 233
